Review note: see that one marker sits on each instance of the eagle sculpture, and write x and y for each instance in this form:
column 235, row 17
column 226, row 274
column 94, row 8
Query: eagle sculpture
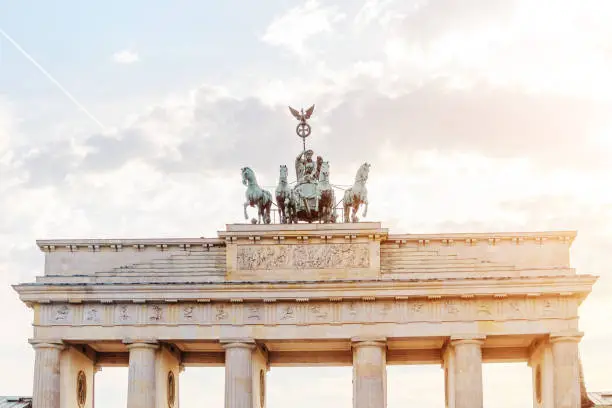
column 302, row 116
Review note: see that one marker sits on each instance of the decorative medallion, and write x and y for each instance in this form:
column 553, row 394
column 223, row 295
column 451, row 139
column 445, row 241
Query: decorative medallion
column 171, row 390
column 446, row 385
column 538, row 384
column 81, row 389
column 262, row 388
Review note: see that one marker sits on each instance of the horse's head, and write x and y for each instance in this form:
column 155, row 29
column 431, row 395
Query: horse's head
column 324, row 176
column 247, row 175
column 362, row 173
column 283, row 172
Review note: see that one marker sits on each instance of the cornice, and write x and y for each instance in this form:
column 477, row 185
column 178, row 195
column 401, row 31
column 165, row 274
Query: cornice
column 73, row 245
column 576, row 285
column 490, row 237
column 371, row 230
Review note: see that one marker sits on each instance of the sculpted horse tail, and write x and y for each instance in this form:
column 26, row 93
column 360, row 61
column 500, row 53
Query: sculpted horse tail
column 357, row 195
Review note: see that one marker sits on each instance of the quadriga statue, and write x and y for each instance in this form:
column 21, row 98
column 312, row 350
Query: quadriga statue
column 256, row 196
column 357, row 195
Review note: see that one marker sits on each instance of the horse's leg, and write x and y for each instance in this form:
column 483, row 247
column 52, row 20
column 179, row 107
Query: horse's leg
column 246, row 216
column 354, row 212
column 365, row 210
column 283, row 211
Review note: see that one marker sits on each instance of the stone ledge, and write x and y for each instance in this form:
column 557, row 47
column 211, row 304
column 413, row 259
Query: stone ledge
column 577, row 285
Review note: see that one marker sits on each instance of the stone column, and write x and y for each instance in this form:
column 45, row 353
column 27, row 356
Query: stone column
column 448, row 365
column 141, row 375
column 46, row 391
column 369, row 373
column 566, row 369
column 468, row 370
column 239, row 373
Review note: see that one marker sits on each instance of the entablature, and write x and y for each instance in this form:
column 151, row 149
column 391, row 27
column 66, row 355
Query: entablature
column 573, row 285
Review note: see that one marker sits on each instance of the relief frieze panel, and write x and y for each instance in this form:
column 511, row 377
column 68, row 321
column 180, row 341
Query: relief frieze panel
column 311, row 312
column 309, row 256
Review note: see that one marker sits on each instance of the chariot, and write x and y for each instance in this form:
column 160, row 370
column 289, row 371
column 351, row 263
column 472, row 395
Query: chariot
column 312, row 198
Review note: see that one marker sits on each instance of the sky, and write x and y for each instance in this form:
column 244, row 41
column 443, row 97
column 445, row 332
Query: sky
column 133, row 119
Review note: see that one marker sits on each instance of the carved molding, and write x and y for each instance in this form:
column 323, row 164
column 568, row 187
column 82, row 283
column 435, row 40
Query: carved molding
column 305, row 256
column 311, row 313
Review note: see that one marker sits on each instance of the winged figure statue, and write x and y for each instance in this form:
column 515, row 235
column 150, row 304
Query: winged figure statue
column 302, row 116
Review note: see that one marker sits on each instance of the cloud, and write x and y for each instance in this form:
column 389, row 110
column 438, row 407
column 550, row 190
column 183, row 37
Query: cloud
column 295, row 27
column 126, row 57
column 439, row 97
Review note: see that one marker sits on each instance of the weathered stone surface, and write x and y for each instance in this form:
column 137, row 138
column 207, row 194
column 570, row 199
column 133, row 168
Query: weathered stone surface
column 316, row 256
column 303, row 295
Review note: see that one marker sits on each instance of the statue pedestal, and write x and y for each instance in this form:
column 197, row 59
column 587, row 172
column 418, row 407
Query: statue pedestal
column 303, row 251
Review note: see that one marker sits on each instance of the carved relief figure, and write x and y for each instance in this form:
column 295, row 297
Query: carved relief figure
column 484, row 308
column 417, row 307
column 188, row 312
column 451, row 307
column 221, row 312
column 303, row 256
column 61, row 313
column 288, row 313
column 254, row 312
column 263, row 257
column 318, row 312
column 548, row 309
column 91, row 315
column 156, row 313
column 123, row 313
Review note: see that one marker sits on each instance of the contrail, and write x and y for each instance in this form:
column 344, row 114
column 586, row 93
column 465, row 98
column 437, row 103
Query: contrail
column 50, row 77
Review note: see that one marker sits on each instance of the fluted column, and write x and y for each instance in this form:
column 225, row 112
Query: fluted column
column 46, row 391
column 369, row 373
column 468, row 371
column 239, row 373
column 141, row 375
column 566, row 369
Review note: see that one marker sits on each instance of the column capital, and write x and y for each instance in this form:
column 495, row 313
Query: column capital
column 574, row 337
column 141, row 343
column 238, row 343
column 47, row 343
column 369, row 342
column 459, row 339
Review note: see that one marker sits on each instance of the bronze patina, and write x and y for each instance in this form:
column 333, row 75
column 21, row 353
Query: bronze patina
column 312, row 198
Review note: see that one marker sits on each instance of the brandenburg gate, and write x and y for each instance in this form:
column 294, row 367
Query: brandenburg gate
column 262, row 295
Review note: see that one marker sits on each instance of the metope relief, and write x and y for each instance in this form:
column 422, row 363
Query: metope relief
column 92, row 314
column 356, row 311
column 126, row 314
column 330, row 256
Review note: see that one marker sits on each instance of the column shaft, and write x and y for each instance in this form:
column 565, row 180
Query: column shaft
column 369, row 374
column 239, row 374
column 46, row 391
column 141, row 375
column 566, row 372
column 468, row 373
